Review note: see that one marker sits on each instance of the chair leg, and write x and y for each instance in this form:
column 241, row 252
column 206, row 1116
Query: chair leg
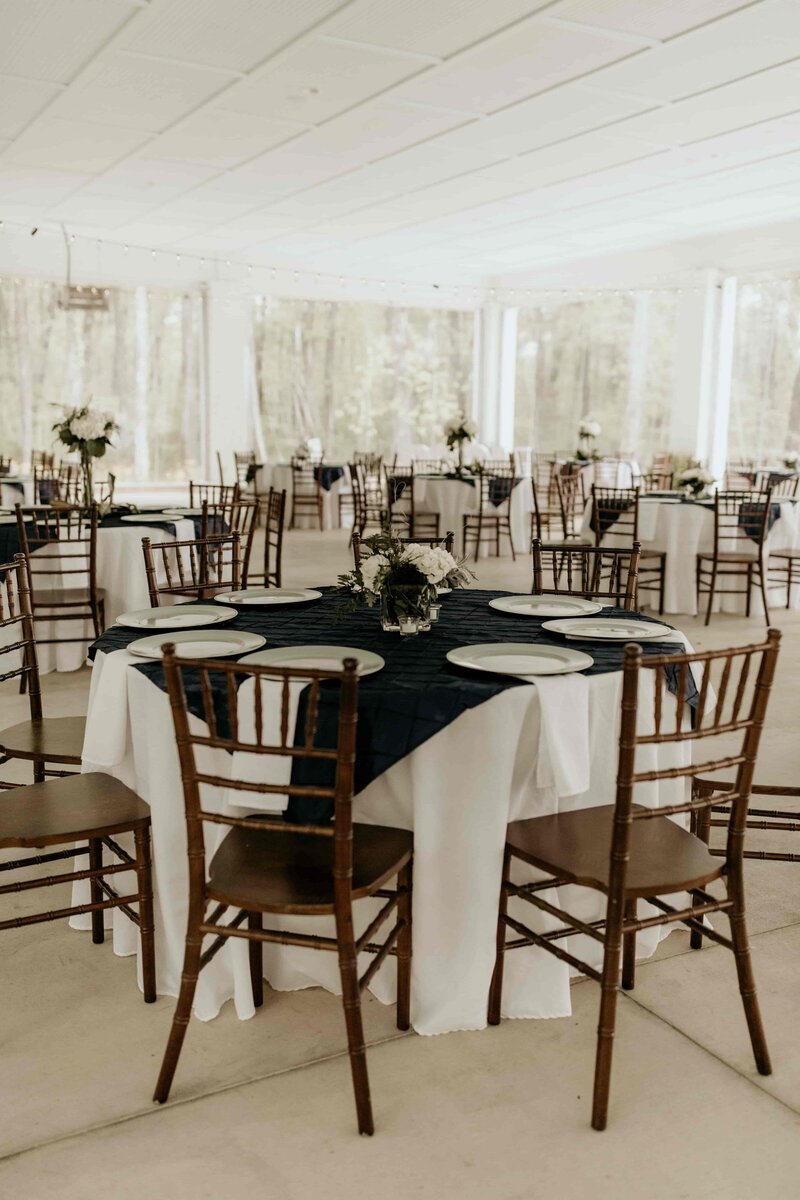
column 711, row 589
column 96, row 892
column 404, row 881
column 496, row 986
column 607, row 1023
column 629, row 950
column 748, row 602
column 661, row 586
column 183, row 1009
column 762, row 583
column 256, row 953
column 702, row 830
column 351, row 1001
column 144, row 880
column 744, row 970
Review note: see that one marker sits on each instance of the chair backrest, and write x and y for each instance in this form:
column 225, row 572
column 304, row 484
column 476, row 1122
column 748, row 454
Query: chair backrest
column 306, row 478
column 197, row 567
column 497, row 480
column 593, row 572
column 606, row 472
column 659, row 479
column 213, row 493
column 523, row 459
column 46, row 486
column 274, row 510
column 244, row 463
column 728, row 692
column 778, row 482
column 739, row 475
column 372, row 463
column 42, row 459
column 60, row 544
column 259, row 724
column 571, row 497
column 429, row 466
column 6, row 463
column 741, row 522
column 446, row 543
column 17, row 642
column 617, row 507
column 240, row 516
column 661, row 462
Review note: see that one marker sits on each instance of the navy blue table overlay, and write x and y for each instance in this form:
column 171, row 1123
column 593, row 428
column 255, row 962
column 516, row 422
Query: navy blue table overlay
column 416, row 694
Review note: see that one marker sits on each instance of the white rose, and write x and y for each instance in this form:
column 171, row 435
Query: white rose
column 427, row 561
column 370, row 570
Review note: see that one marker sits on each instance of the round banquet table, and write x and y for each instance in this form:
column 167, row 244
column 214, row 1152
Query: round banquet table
column 16, row 489
column 452, row 498
column 335, row 482
column 622, row 473
column 120, row 574
column 452, row 754
column 685, row 528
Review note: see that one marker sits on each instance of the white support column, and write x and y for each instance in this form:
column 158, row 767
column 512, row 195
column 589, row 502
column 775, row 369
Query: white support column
column 230, row 425
column 496, row 368
column 720, row 420
column 695, row 363
column 507, row 392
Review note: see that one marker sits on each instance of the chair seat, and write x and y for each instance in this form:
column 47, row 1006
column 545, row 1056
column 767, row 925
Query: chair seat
column 577, row 846
column 51, row 739
column 659, row 554
column 789, row 554
column 292, row 872
column 70, row 809
column 48, row 597
column 730, row 556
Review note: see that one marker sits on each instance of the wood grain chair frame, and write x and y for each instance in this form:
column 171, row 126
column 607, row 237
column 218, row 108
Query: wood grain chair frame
column 240, row 516
column 741, row 521
column 51, row 813
column 630, row 852
column 47, row 487
column 429, row 466
column 592, row 572
column 267, row 864
column 212, row 493
column 39, row 740
column 44, row 460
column 274, row 507
column 657, row 480
column 197, row 568
column 571, row 496
column 546, row 515
column 493, row 518
column 616, row 511
column 776, row 820
column 244, row 464
column 778, row 483
column 368, row 509
column 307, row 498
column 6, row 463
column 445, row 543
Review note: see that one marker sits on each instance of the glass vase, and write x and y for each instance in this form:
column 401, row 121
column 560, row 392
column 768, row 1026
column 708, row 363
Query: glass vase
column 86, row 478
column 406, row 610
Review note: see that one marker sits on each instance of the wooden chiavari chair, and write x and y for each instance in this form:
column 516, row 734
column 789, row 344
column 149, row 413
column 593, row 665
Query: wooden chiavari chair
column 46, row 487
column 402, row 511
column 372, row 463
column 6, row 464
column 630, row 853
column 212, row 493
column 593, row 572
column 445, row 543
column 778, row 483
column 273, row 508
column 492, row 521
column 274, row 865
column 546, row 515
column 762, row 819
column 615, row 512
column 739, row 475
column 51, row 813
column 659, row 479
column 740, row 532
column 60, row 546
column 307, row 498
column 429, row 466
column 240, row 516
column 42, row 460
column 571, row 497
column 606, row 472
column 784, row 571
column 244, row 466
column 197, row 567
column 70, row 484
column 367, row 510
column 39, row 740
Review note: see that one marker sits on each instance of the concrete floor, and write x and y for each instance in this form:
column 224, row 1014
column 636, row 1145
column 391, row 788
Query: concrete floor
column 263, row 1108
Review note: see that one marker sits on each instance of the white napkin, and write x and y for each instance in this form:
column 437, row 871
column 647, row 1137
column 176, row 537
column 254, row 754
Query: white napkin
column 263, row 768
column 563, row 760
column 106, row 740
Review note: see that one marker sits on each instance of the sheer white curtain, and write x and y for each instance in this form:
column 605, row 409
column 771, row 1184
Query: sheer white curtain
column 141, row 359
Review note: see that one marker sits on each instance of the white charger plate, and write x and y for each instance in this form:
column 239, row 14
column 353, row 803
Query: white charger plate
column 264, row 596
column 199, row 643
column 147, row 518
column 520, row 658
column 318, row 658
column 177, row 616
column 545, row 606
column 609, row 629
column 182, row 512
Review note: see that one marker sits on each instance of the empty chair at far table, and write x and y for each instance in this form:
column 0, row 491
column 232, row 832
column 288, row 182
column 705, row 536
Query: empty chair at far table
column 6, row 463
column 546, row 515
column 273, row 511
column 657, row 479
column 492, row 521
column 571, row 497
column 615, row 511
column 404, row 514
column 369, row 508
column 44, row 460
column 764, row 820
column 239, row 516
column 741, row 525
column 634, row 853
column 780, row 483
column 213, row 493
column 592, row 572
column 287, row 870
column 445, row 543
column 307, row 500
column 429, row 466
column 195, row 569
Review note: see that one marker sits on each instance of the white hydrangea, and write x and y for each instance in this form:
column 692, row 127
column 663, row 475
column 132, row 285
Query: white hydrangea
column 590, row 427
column 431, row 561
column 696, row 474
column 462, row 429
column 90, row 426
column 371, row 568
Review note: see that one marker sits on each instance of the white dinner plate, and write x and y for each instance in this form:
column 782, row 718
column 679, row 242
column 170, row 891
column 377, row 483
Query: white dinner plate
column 545, row 606
column 147, row 518
column 318, row 658
column 520, row 658
column 182, row 512
column 609, row 629
column 177, row 616
column 199, row 643
column 8, row 520
column 263, row 596
column 661, row 499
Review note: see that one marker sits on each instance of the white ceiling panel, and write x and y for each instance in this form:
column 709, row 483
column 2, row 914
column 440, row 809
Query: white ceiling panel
column 53, row 39
column 36, row 186
column 423, row 27
column 195, row 206
column 98, row 212
column 282, row 172
column 153, row 232
column 236, row 34
column 735, row 207
column 140, row 94
column 341, row 195
column 155, row 179
column 20, row 101
column 318, row 80
column 763, row 35
column 265, row 223
column 73, row 145
column 528, row 59
column 221, row 139
column 426, row 164
column 659, row 19
column 376, row 129
column 572, row 159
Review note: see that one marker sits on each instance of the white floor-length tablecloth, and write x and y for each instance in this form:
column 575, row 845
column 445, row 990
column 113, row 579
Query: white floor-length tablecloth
column 279, row 476
column 15, row 489
column 457, row 791
column 683, row 531
column 452, row 499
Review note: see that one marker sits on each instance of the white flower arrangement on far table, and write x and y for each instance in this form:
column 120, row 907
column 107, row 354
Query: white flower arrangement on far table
column 589, row 431
column 457, row 433
column 88, row 431
column 696, row 481
column 791, row 461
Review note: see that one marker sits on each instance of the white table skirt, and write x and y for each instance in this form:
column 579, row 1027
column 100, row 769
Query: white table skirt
column 683, row 531
column 452, row 499
column 18, row 490
column 279, row 476
column 457, row 792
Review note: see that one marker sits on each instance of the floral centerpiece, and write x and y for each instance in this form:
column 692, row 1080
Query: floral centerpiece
column 302, row 451
column 404, row 578
column 588, row 431
column 695, row 481
column 791, row 461
column 457, row 433
column 87, row 431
